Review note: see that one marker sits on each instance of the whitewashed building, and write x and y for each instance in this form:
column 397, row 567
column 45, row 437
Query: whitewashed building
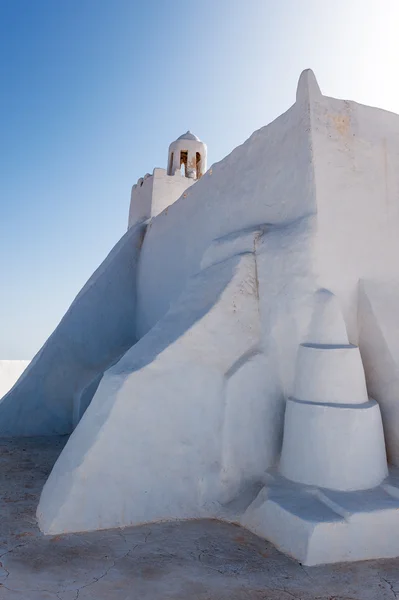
column 236, row 355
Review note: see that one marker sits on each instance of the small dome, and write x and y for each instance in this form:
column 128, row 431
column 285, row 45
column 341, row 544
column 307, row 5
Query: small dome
column 189, row 136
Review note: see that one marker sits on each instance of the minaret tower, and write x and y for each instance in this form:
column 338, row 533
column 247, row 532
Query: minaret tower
column 188, row 155
column 153, row 193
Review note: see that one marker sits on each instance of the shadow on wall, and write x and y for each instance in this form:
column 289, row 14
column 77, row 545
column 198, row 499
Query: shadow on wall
column 95, row 332
column 168, row 417
column 200, row 296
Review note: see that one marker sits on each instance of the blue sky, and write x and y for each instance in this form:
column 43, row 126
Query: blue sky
column 93, row 92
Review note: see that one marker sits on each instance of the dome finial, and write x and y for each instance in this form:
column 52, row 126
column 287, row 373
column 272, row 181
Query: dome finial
column 189, row 136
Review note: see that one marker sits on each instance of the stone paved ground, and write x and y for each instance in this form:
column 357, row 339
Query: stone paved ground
column 196, row 560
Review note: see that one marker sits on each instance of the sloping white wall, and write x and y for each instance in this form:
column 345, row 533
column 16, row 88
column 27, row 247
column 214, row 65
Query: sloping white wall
column 95, row 332
column 192, row 414
column 10, row 372
column 164, row 424
column 156, row 420
column 267, row 180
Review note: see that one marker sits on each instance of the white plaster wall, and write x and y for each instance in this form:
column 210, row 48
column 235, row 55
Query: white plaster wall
column 94, row 333
column 10, row 372
column 356, row 158
column 141, row 201
column 379, row 341
column 155, row 422
column 286, row 290
column 167, row 189
column 340, row 447
column 332, row 374
column 164, row 422
column 356, row 153
column 166, row 419
column 251, row 430
column 152, row 195
column 267, row 180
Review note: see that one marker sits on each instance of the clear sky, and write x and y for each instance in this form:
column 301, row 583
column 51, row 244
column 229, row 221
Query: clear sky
column 93, row 91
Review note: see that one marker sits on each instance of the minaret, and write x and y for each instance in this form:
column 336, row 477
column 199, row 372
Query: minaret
column 152, row 194
column 188, row 155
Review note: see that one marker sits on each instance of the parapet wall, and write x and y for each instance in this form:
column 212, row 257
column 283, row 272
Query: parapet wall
column 141, row 199
column 153, row 193
column 167, row 189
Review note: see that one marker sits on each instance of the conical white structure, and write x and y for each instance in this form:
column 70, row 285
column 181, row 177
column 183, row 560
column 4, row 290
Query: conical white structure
column 333, row 435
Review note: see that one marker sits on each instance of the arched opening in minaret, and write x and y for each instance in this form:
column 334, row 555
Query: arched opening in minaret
column 183, row 162
column 198, row 164
column 170, row 167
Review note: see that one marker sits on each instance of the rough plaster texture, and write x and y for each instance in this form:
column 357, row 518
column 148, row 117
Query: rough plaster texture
column 356, row 166
column 95, row 332
column 10, row 372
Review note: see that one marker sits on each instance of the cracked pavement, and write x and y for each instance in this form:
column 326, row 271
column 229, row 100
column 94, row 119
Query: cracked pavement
column 199, row 560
